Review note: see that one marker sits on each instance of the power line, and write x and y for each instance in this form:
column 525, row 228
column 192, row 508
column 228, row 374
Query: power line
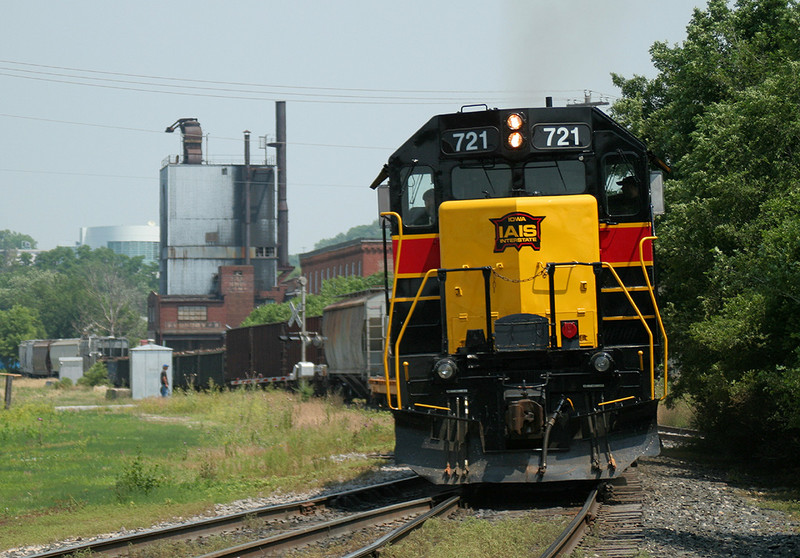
column 161, row 132
column 155, row 177
column 277, row 86
column 330, row 99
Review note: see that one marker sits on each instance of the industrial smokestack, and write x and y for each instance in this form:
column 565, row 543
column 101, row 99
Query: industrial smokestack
column 192, row 140
column 283, row 207
column 247, row 203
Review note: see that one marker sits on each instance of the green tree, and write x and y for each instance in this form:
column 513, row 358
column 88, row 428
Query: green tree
column 16, row 325
column 76, row 291
column 332, row 289
column 723, row 113
column 10, row 240
column 371, row 231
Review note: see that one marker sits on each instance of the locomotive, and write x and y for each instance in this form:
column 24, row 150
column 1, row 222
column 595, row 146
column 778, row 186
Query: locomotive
column 524, row 341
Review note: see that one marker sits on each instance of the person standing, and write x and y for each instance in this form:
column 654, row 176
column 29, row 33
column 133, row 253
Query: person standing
column 164, row 381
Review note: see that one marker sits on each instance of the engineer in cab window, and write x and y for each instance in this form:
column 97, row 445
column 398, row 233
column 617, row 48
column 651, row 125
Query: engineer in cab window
column 625, row 201
column 429, row 215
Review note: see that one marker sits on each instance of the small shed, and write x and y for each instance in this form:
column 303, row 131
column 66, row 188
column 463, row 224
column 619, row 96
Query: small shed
column 70, row 367
column 146, row 362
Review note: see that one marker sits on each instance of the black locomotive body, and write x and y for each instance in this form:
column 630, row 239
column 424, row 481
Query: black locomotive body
column 524, row 328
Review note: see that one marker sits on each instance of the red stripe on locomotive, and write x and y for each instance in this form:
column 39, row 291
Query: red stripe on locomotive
column 418, row 255
column 621, row 244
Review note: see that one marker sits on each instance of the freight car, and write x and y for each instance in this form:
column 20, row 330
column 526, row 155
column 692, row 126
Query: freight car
column 266, row 354
column 525, row 334
column 40, row 357
column 354, row 331
column 347, row 357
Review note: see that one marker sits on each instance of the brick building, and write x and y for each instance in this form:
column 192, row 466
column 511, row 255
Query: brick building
column 198, row 322
column 360, row 257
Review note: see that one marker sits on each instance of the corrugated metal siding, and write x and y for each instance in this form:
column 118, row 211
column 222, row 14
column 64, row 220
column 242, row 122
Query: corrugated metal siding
column 201, row 226
column 343, row 328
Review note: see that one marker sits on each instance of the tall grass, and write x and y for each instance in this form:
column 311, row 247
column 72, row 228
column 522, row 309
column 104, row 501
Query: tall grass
column 80, row 473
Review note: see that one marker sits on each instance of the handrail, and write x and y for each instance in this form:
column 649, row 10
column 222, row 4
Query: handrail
column 391, row 312
column 644, row 323
column 658, row 314
column 403, row 330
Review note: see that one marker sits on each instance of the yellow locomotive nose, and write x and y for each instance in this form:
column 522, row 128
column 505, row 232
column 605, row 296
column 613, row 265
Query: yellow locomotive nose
column 517, row 238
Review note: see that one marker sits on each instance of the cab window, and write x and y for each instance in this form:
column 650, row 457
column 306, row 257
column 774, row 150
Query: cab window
column 552, row 178
column 418, row 201
column 468, row 182
column 622, row 187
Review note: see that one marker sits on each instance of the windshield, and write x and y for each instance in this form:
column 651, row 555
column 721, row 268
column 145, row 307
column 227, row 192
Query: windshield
column 481, row 182
column 551, row 178
column 541, row 178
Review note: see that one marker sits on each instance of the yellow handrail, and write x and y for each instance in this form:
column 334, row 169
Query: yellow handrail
column 655, row 308
column 403, row 330
column 644, row 323
column 391, row 312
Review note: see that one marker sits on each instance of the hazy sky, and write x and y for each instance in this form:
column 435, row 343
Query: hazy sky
column 88, row 87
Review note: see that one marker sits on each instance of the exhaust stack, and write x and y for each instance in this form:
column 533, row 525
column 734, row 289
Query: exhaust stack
column 283, row 207
column 192, row 140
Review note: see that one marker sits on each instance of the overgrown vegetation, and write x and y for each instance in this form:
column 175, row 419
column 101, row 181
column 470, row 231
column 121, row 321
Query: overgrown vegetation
column 723, row 113
column 166, row 457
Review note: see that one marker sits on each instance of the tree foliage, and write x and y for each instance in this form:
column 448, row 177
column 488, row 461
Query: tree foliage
column 11, row 240
column 371, row 231
column 723, row 112
column 16, row 325
column 81, row 291
column 332, row 289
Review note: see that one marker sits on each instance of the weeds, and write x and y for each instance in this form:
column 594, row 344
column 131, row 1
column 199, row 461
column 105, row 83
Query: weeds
column 138, row 477
column 117, row 466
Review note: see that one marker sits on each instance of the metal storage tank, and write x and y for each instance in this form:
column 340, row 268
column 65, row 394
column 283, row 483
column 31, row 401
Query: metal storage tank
column 146, row 362
column 202, row 226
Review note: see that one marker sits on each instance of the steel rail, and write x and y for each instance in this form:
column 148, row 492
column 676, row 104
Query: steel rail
column 390, row 538
column 675, row 434
column 216, row 524
column 304, row 536
column 572, row 534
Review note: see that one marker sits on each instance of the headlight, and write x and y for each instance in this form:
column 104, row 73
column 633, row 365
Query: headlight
column 601, row 362
column 515, row 140
column 514, row 121
column 445, row 368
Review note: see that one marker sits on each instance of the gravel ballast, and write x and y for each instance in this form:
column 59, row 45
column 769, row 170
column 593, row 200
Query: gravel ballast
column 690, row 511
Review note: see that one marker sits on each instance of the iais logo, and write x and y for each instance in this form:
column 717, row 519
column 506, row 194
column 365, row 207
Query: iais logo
column 517, row 229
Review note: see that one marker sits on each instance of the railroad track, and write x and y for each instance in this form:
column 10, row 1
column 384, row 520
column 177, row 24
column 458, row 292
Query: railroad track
column 349, row 500
column 679, row 435
column 612, row 510
column 612, row 514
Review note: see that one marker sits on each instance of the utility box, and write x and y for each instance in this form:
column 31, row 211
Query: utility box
column 70, row 367
column 303, row 370
column 146, row 364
